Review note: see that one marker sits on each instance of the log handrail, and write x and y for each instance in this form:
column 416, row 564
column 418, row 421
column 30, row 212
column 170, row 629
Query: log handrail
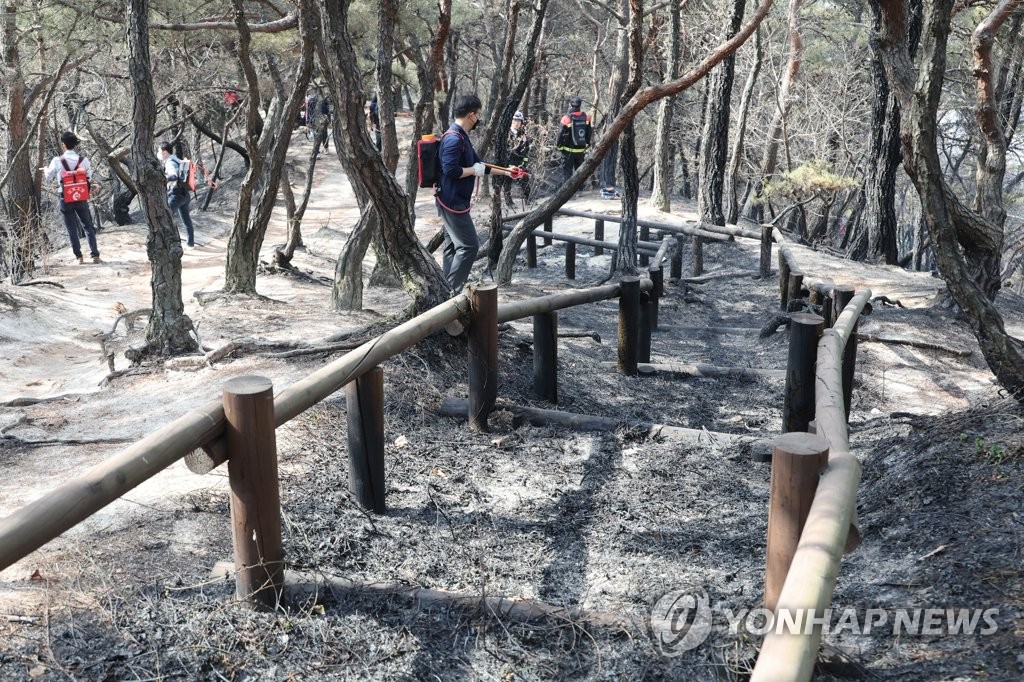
column 517, row 310
column 812, row 575
column 657, row 225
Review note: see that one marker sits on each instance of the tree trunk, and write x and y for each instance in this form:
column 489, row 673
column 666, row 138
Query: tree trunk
column 967, row 244
column 387, row 15
column 267, row 151
column 616, row 86
column 732, row 205
column 715, row 137
column 168, row 330
column 421, row 276
column 785, row 100
column 662, row 190
column 626, row 256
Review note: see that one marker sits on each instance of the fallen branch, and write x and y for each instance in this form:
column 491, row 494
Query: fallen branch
column 888, row 301
column 127, row 372
column 701, row 370
column 708, row 330
column 313, row 350
column 130, row 315
column 518, row 609
column 38, row 282
column 717, row 274
column 24, row 402
column 773, row 325
column 871, row 338
column 458, row 407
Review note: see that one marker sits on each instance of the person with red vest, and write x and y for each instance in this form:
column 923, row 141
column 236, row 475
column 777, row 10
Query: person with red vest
column 74, row 211
column 574, row 137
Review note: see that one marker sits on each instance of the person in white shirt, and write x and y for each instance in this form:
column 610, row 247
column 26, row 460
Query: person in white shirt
column 75, row 213
column 177, row 198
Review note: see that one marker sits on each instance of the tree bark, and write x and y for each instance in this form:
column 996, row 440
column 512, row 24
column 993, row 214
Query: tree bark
column 732, row 204
column 168, row 330
column 715, row 137
column 662, row 190
column 626, row 260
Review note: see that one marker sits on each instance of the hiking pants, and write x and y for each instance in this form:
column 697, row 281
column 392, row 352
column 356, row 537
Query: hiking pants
column 179, row 204
column 461, row 245
column 570, row 162
column 77, row 214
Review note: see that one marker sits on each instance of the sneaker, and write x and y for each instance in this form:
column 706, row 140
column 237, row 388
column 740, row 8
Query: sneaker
column 96, row 259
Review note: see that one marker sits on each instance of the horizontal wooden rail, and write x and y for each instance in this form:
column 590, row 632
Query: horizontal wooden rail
column 830, row 530
column 659, row 257
column 642, row 222
column 731, row 230
column 517, row 310
column 40, row 521
column 650, row 247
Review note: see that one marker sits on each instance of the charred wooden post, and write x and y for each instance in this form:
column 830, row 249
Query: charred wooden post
column 676, row 269
column 629, row 325
column 645, row 236
column 483, row 355
column 783, row 280
column 364, row 399
column 531, row 250
column 698, row 256
column 765, row 265
column 794, row 286
column 255, row 497
column 570, row 260
column 843, row 295
column 797, row 462
column 644, row 347
column 547, row 228
column 545, row 356
column 657, row 291
column 824, row 299
column 798, row 403
column 599, row 236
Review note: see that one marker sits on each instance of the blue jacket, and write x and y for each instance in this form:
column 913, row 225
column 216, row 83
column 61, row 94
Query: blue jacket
column 457, row 153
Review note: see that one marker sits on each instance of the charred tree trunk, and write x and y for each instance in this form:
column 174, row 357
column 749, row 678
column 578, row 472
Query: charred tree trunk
column 168, row 330
column 616, row 86
column 630, row 175
column 732, row 205
column 715, row 137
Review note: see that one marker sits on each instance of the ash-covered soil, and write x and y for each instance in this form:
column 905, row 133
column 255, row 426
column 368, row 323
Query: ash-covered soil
column 606, row 521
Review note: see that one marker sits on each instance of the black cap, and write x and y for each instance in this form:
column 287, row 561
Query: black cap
column 575, row 101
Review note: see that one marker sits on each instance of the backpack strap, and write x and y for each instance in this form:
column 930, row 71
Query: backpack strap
column 64, row 162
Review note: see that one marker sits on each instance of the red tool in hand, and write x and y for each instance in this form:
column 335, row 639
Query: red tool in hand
column 515, row 171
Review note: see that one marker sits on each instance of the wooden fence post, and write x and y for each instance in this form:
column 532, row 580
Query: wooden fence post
column 843, row 295
column 570, row 260
column 765, row 265
column 824, row 299
column 797, row 462
column 793, row 286
column 531, row 250
column 676, row 269
column 645, row 236
column 783, row 281
column 599, row 236
column 545, row 356
column 483, row 354
column 798, row 402
column 698, row 256
column 658, row 279
column 255, row 497
column 629, row 324
column 643, row 353
column 547, row 228
column 364, row 398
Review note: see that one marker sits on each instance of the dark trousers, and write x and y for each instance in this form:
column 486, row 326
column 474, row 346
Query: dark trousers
column 570, row 162
column 179, row 204
column 77, row 214
column 461, row 245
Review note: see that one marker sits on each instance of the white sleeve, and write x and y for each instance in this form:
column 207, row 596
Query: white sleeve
column 52, row 169
column 170, row 170
column 87, row 165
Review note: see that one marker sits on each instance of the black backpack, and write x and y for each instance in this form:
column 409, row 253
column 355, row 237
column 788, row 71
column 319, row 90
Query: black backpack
column 580, row 129
column 428, row 159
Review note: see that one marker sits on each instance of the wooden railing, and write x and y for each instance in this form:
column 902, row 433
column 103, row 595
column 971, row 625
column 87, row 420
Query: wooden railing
column 240, row 430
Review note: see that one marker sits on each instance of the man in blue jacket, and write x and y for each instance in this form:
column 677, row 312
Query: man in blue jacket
column 460, row 168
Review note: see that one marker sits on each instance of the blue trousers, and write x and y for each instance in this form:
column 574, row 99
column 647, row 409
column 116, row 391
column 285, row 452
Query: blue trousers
column 77, row 214
column 179, row 204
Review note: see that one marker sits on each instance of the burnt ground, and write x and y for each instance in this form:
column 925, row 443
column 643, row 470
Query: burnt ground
column 607, row 521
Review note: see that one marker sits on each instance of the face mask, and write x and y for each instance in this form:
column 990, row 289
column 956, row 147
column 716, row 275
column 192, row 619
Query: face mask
column 476, row 122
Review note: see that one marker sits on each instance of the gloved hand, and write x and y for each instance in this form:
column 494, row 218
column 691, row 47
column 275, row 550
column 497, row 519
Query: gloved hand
column 517, row 173
column 479, row 169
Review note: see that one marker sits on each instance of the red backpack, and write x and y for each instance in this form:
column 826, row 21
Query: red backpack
column 74, row 182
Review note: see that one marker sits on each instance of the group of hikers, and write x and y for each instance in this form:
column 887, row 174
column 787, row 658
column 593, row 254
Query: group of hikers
column 460, row 169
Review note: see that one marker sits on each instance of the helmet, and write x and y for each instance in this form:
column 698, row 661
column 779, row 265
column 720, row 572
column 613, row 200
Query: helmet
column 518, row 116
column 575, row 102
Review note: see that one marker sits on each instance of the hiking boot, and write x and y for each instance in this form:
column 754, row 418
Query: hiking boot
column 80, row 260
column 96, row 259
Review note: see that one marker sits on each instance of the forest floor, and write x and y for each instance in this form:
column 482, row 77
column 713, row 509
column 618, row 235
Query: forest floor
column 607, row 521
